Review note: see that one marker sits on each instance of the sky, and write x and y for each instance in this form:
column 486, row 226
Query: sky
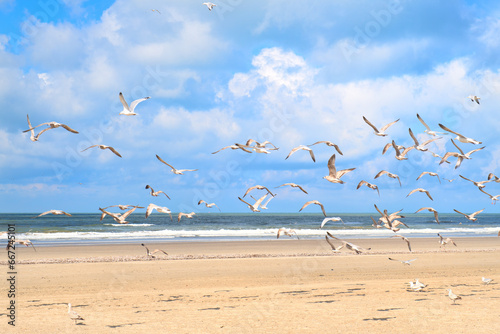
column 283, row 71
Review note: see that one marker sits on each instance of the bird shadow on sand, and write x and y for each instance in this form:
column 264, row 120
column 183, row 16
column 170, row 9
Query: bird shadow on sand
column 209, row 309
column 123, row 325
column 389, row 309
column 379, row 319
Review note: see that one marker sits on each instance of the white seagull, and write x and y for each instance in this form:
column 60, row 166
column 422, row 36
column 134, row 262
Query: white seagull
column 25, row 242
column 292, row 185
column 160, row 209
column 314, row 202
column 234, row 147
column 461, row 138
column 187, row 215
column 407, row 262
column 156, row 193
column 428, row 129
column 54, row 212
column 470, row 217
column 479, row 184
column 334, row 175
column 331, row 219
column 103, row 147
column 453, row 296
column 401, row 155
column 431, row 174
column 418, row 146
column 430, row 210
column 486, row 280
column 286, row 231
column 422, row 190
column 258, row 187
column 382, row 130
column 33, row 137
column 254, row 207
column 302, row 147
column 210, row 5
column 119, row 218
column 474, row 98
column 369, row 185
column 404, row 238
column 208, row 205
column 264, row 206
column 391, row 175
column 52, row 125
column 444, row 241
column 73, row 315
column 348, row 245
column 328, row 143
column 494, row 199
column 129, row 110
column 150, row 254
column 176, row 171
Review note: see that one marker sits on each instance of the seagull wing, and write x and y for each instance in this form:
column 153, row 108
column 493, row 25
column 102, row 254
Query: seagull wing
column 68, row 128
column 475, row 213
column 136, row 102
column 423, row 123
column 446, row 129
column 413, row 136
column 385, row 127
column 370, row 124
column 89, row 147
column 453, row 142
column 460, row 212
column 331, row 166
column 342, row 172
column 158, row 157
column 114, row 151
column 122, row 100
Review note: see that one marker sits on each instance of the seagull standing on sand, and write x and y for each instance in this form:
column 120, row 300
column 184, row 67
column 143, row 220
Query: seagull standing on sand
column 103, row 147
column 129, row 110
column 292, row 185
column 302, row 147
column 391, row 175
column 422, row 190
column 470, row 217
column 331, row 219
column 453, row 296
column 160, row 209
column 176, row 171
column 382, row 130
column 430, row 210
column 328, row 143
column 461, row 138
column 156, row 193
column 187, row 215
column 73, row 315
column 334, row 175
column 486, row 280
column 286, row 231
column 150, row 254
column 54, row 212
column 444, row 241
column 314, row 202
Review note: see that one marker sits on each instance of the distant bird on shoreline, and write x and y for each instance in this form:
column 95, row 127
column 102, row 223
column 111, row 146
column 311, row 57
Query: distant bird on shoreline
column 453, row 296
column 54, row 212
column 314, row 202
column 175, row 171
column 407, row 262
column 382, row 129
column 103, row 147
column 129, row 110
column 156, row 193
column 486, row 280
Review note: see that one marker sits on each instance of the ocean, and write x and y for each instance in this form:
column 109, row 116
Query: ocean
column 88, row 229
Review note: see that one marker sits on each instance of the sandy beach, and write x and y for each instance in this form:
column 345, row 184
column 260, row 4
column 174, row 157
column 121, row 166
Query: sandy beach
column 274, row 286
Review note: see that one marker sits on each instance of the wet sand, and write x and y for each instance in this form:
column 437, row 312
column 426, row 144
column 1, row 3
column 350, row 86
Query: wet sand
column 277, row 286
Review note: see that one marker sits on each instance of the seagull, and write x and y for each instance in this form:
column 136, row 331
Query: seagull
column 430, row 210
column 422, row 190
column 176, row 171
column 187, row 215
column 258, row 187
column 328, row 143
column 486, row 280
column 479, row 184
column 333, row 175
column 494, row 177
column 119, row 218
column 254, row 207
column 73, row 315
column 292, row 185
column 404, row 238
column 431, row 174
column 156, row 10
column 443, row 241
column 129, row 110
column 389, row 145
column 261, row 145
column 156, row 193
column 460, row 156
column 348, row 245
column 302, row 147
column 334, row 249
column 421, row 147
column 150, row 254
column 393, row 176
column 286, row 231
column 470, row 217
column 160, row 209
column 474, row 98
column 54, row 212
column 494, row 199
column 208, row 205
column 453, row 296
column 209, row 5
column 103, row 147
column 333, row 219
column 369, row 185
column 401, row 155
column 25, row 242
column 415, row 287
column 314, row 202
column 449, row 180
column 264, row 206
column 382, row 130
column 460, row 138
column 407, row 262
column 52, row 125
column 124, row 207
column 233, row 147
column 427, row 129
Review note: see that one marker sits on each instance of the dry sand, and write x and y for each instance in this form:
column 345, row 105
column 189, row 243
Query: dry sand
column 278, row 286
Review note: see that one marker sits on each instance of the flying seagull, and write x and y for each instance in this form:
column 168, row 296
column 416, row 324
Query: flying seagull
column 404, row 238
column 401, row 155
column 391, row 175
column 25, row 242
column 332, row 219
column 470, row 217
column 119, row 218
column 156, row 193
column 314, row 202
column 52, row 125
column 474, row 98
column 176, row 171
column 208, row 205
column 407, row 262
column 382, row 130
column 54, row 212
column 479, row 184
column 150, row 254
column 427, row 128
column 334, row 249
column 418, row 146
column 430, row 210
column 129, row 110
column 160, row 209
column 422, row 190
column 334, row 175
column 328, row 143
column 233, row 147
column 286, row 231
column 302, row 147
column 369, row 185
column 348, row 245
column 494, row 199
column 210, row 5
column 444, row 241
column 292, row 185
column 264, row 206
column 156, row 10
column 460, row 138
column 431, row 174
column 103, row 147
column 33, row 137
column 254, row 207
column 187, row 215
column 258, row 187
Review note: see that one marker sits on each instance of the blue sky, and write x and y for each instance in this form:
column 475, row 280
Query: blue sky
column 283, row 71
